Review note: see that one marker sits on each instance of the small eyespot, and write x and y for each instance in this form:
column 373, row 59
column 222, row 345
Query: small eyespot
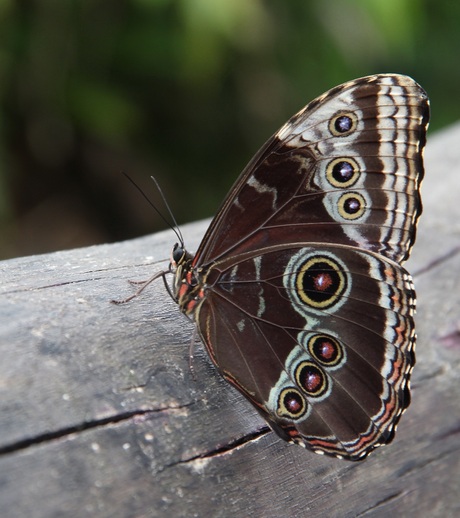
column 311, row 379
column 291, row 403
column 325, row 349
column 351, row 205
column 343, row 124
column 342, row 172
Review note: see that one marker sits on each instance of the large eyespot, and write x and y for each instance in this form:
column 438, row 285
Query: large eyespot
column 325, row 349
column 351, row 205
column 342, row 172
column 342, row 124
column 316, row 280
column 320, row 282
column 291, row 403
column 311, row 379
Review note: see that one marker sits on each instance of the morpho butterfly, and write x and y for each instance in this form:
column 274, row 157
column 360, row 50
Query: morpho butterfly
column 297, row 288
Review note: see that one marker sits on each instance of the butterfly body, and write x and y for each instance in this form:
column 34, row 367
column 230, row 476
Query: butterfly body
column 297, row 289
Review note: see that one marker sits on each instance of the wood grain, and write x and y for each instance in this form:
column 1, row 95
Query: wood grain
column 101, row 415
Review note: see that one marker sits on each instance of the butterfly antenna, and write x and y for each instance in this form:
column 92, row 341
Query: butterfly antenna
column 170, row 212
column 173, row 227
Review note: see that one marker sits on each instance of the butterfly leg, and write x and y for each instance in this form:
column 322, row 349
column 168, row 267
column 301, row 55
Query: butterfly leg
column 144, row 284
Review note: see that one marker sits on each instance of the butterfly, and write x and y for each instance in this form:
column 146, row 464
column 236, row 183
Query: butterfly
column 297, row 288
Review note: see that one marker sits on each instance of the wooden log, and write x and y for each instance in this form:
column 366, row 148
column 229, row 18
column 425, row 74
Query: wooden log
column 101, row 415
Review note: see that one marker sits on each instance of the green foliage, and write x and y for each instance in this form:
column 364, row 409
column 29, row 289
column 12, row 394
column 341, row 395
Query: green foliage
column 186, row 90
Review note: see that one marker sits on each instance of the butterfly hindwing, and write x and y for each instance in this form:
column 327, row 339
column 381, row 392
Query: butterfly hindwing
column 332, row 372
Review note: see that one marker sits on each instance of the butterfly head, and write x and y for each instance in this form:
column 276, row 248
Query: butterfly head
column 178, row 256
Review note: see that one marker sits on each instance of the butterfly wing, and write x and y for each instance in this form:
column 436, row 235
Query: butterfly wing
column 296, row 287
column 345, row 169
column 319, row 338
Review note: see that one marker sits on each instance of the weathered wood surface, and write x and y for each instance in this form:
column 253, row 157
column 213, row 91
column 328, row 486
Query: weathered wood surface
column 101, row 416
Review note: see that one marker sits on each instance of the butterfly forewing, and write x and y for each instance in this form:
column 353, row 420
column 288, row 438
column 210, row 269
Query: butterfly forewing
column 318, row 180
column 297, row 289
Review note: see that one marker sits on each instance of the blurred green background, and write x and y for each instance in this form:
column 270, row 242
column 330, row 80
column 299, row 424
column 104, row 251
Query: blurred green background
column 185, row 90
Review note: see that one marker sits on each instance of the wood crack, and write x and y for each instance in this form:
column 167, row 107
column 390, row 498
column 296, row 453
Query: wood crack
column 439, row 260
column 81, row 427
column 382, row 502
column 53, row 285
column 223, row 449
